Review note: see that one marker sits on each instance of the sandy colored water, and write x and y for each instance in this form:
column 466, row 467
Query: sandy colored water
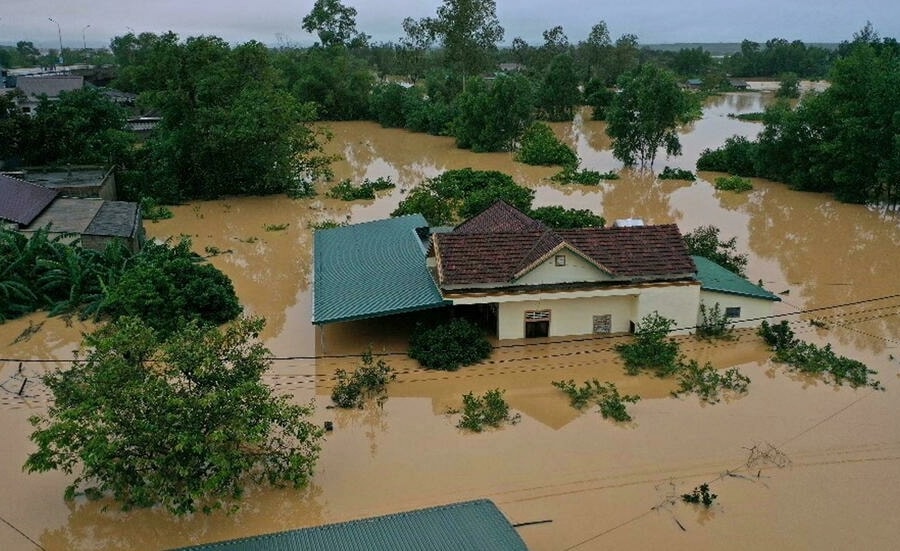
column 603, row 485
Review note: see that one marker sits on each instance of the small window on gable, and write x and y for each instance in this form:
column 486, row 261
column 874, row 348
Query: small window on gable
column 733, row 312
column 560, row 260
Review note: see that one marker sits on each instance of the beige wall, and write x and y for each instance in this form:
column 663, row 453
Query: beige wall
column 576, row 270
column 572, row 313
column 751, row 308
column 676, row 302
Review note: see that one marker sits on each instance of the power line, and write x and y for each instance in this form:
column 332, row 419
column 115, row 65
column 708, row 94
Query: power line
column 529, row 344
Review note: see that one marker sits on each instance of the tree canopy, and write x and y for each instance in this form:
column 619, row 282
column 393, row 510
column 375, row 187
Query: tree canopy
column 645, row 115
column 185, row 423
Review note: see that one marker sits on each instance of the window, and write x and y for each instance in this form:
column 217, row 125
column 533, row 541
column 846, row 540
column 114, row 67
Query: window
column 733, row 312
column 537, row 323
column 603, row 324
column 560, row 260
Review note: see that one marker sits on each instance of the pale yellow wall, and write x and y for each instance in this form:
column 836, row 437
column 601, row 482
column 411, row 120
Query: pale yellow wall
column 676, row 302
column 750, row 307
column 576, row 270
column 567, row 316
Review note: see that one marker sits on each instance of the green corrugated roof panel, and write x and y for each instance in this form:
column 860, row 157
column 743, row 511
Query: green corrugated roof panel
column 716, row 278
column 372, row 269
column 471, row 525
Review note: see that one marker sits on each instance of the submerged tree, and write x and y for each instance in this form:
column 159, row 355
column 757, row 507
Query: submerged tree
column 186, row 423
column 645, row 115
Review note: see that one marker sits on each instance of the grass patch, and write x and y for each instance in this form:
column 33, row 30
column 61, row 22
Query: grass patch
column 346, row 190
column 756, row 116
column 153, row 211
column 733, row 183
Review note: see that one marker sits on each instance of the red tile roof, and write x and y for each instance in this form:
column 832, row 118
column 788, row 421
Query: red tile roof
column 21, row 202
column 488, row 256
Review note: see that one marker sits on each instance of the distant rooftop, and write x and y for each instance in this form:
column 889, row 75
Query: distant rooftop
column 471, row 525
column 21, row 202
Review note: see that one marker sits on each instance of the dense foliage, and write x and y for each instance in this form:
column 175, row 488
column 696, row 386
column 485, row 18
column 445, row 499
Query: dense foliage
column 843, row 140
column 228, row 126
column 669, row 173
column 185, row 423
column 167, row 287
column 652, row 349
column 816, row 360
column 558, row 217
column 449, row 346
column 645, row 115
column 348, row 191
column 459, row 194
column 491, row 116
column 705, row 242
column 733, row 183
column 540, row 146
column 80, row 127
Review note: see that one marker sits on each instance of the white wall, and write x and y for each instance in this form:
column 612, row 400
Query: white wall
column 576, row 270
column 568, row 316
column 676, row 302
column 750, row 307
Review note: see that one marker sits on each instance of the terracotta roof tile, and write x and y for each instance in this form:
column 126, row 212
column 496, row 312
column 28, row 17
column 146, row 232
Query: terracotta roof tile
column 500, row 217
column 644, row 252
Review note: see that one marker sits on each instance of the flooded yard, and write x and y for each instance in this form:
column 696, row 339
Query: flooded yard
column 796, row 463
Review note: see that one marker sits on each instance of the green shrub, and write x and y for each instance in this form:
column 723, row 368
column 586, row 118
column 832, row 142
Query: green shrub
column 700, row 494
column 779, row 336
column 151, row 210
column 676, row 174
column 562, row 218
column 651, row 349
column 714, row 324
column 368, row 380
column 705, row 242
column 347, row 191
column 733, row 183
column 540, row 146
column 737, row 156
column 490, row 410
column 756, row 116
column 708, row 383
column 605, row 395
column 449, row 346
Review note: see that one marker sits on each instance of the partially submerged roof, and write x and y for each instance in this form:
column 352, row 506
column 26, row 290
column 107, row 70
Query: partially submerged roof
column 68, row 215
column 458, row 526
column 115, row 219
column 716, row 278
column 50, row 86
column 501, row 244
column 21, row 202
column 372, row 269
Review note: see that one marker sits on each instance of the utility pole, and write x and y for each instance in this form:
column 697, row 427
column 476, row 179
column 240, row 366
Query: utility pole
column 59, row 31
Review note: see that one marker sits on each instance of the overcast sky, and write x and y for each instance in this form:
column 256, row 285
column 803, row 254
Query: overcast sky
column 278, row 21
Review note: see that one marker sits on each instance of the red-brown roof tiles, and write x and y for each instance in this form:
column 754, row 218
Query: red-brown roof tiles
column 497, row 257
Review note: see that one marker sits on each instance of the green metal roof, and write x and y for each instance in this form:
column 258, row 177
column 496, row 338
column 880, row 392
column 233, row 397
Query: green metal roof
column 372, row 269
column 716, row 278
column 462, row 526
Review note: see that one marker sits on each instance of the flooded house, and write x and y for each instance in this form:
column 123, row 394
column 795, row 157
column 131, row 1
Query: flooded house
column 27, row 207
column 525, row 279
column 36, row 87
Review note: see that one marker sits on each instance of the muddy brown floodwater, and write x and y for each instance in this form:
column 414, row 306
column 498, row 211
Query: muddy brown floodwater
column 833, row 484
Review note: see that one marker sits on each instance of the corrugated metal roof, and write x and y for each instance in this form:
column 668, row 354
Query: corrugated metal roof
column 472, row 525
column 716, row 278
column 21, row 202
column 372, row 269
column 51, row 86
